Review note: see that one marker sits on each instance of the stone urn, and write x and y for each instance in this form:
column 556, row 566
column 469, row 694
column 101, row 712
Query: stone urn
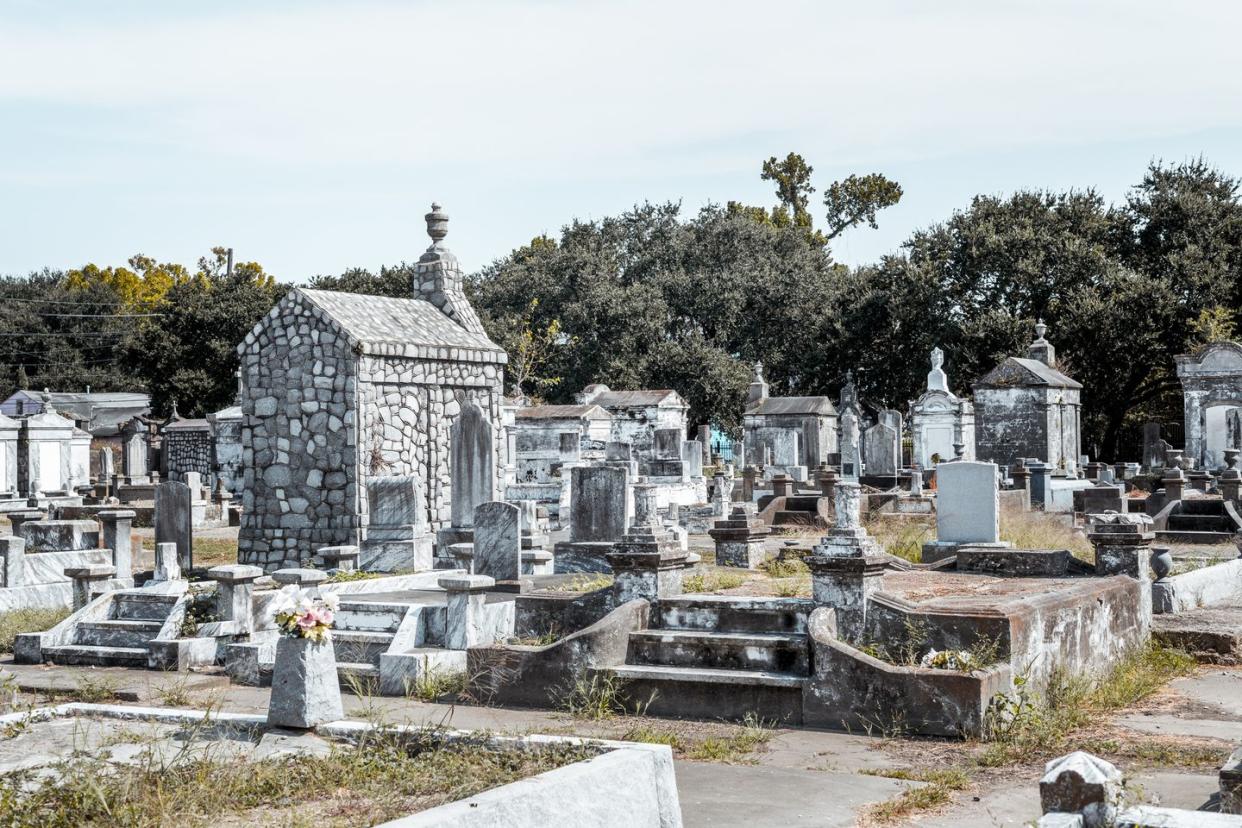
column 1161, row 561
column 305, row 689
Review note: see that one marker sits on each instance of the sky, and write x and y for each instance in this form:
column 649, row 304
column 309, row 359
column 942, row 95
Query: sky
column 312, row 137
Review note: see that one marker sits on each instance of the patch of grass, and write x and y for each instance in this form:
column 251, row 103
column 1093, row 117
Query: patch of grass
column 1031, row 726
column 937, row 791
column 175, row 693
column 353, row 575
column 734, row 748
column 900, row 538
column 584, row 582
column 435, row 684
column 27, row 620
column 214, row 552
column 382, row 779
column 202, row 610
column 793, row 587
column 729, row 748
column 788, row 568
column 549, row 636
column 712, row 580
column 596, row 696
column 89, row 690
column 1166, row 753
column 1036, row 530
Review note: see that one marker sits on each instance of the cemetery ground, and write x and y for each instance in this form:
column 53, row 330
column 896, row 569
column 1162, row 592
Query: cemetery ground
column 1168, row 721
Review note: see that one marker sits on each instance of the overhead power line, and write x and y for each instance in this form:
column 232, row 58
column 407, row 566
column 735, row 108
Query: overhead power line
column 100, row 315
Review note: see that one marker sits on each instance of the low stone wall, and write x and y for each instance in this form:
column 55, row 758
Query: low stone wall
column 537, row 613
column 42, row 596
column 530, row 675
column 144, row 516
column 1212, row 585
column 850, row 690
column 630, row 785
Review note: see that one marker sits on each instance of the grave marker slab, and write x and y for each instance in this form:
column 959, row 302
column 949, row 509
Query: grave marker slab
column 498, row 541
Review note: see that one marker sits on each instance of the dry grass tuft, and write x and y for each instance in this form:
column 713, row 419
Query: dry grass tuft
column 27, row 620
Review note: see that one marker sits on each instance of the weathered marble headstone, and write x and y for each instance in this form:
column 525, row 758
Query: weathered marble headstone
column 967, row 503
column 597, row 506
column 618, row 451
column 174, row 520
column 397, row 536
column 692, row 457
column 667, row 443
column 1154, row 447
column 882, row 450
column 107, row 465
column 472, row 463
column 166, row 567
column 705, row 443
column 498, row 541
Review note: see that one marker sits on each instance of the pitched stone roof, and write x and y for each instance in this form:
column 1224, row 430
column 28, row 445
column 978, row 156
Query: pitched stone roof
column 390, row 326
column 562, row 412
column 1019, row 371
column 634, row 399
column 792, row 405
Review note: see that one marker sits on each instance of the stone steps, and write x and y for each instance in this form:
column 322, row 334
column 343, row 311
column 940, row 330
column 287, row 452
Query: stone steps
column 127, row 633
column 1183, row 536
column 730, row 614
column 139, row 606
column 357, row 677
column 96, row 656
column 780, row 653
column 713, row 693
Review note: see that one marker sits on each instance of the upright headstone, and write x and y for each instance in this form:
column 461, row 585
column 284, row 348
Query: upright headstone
column 166, row 567
column 1153, row 447
column 883, row 450
column 107, row 465
column 667, row 443
column 705, row 444
column 472, row 463
column 397, row 536
column 598, row 503
column 967, row 503
column 851, row 458
column 498, row 541
column 1040, row 483
column 134, row 459
column 174, row 520
column 692, row 457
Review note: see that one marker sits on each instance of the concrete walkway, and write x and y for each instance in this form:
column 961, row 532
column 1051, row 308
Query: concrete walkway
column 799, row 778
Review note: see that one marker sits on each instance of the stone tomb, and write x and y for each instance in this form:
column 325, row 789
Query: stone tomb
column 340, row 388
column 740, row 538
column 967, row 508
column 599, row 514
column 396, row 536
column 939, row 419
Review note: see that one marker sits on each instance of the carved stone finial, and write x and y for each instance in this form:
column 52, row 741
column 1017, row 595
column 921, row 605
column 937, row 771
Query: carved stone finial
column 937, row 359
column 758, row 369
column 437, row 224
column 1040, row 330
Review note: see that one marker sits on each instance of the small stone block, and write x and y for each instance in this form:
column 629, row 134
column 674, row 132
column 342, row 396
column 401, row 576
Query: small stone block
column 300, row 577
column 339, row 553
column 92, row 572
column 235, row 573
column 466, row 583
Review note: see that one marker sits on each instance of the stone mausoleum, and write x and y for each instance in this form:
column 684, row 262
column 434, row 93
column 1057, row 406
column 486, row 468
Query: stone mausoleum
column 342, row 388
column 940, row 420
column 784, row 432
column 1212, row 395
column 1026, row 408
column 637, row 415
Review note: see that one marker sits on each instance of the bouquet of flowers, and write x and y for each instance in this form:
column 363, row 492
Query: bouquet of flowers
column 300, row 614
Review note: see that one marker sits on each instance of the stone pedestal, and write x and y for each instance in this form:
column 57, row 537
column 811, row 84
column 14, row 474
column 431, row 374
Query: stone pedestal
column 305, row 690
column 740, row 539
column 306, row 579
column 234, row 587
column 19, row 516
column 1231, row 478
column 827, row 481
column 846, row 584
column 782, row 485
column 167, row 567
column 1020, row 474
column 464, row 625
column 344, row 558
column 1174, row 482
column 117, row 536
column 750, row 474
column 1123, row 547
column 647, row 563
column 12, row 562
column 88, row 582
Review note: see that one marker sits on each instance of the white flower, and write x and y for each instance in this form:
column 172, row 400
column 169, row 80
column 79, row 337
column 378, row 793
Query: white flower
column 330, row 600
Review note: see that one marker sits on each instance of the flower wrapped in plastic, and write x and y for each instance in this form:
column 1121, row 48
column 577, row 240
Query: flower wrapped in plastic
column 950, row 660
column 302, row 614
